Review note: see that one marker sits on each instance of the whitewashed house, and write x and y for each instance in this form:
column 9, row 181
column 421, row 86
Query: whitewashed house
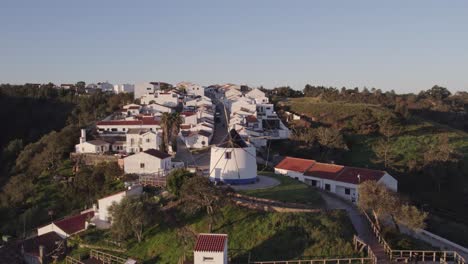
column 96, row 146
column 257, row 95
column 189, row 118
column 338, row 179
column 196, row 139
column 211, row 249
column 120, row 127
column 148, row 162
column 104, row 203
column 191, row 88
column 141, row 139
column 157, row 108
column 150, row 88
column 168, row 98
column 69, row 225
column 105, row 86
column 124, row 88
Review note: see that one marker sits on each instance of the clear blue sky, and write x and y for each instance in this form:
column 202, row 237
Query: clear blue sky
column 402, row 45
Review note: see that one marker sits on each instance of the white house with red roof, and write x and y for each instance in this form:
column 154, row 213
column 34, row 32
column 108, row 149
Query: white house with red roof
column 69, row 225
column 211, row 248
column 338, row 179
column 120, row 127
column 141, row 139
column 149, row 161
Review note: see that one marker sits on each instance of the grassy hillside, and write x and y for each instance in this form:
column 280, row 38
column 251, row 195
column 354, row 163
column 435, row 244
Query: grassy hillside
column 267, row 236
column 289, row 191
column 415, row 137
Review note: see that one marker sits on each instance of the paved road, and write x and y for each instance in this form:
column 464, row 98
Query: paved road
column 360, row 223
column 202, row 160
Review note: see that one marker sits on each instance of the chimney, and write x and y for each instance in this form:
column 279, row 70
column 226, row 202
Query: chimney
column 41, row 253
column 83, row 136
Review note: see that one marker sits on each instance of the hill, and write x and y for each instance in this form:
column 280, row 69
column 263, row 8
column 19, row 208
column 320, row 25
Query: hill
column 439, row 187
column 267, row 236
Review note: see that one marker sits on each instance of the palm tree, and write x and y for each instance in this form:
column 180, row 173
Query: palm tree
column 176, row 121
column 165, row 125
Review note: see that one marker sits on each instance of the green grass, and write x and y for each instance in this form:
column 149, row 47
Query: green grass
column 289, row 190
column 267, row 236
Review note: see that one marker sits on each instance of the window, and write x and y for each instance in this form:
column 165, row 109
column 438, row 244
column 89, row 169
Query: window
column 203, row 143
column 142, row 165
column 314, row 183
column 123, row 129
column 113, row 129
column 148, row 140
column 132, row 141
column 347, row 191
column 327, row 187
column 227, row 155
column 208, row 259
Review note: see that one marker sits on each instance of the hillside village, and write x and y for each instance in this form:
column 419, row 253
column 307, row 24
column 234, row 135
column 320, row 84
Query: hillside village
column 186, row 143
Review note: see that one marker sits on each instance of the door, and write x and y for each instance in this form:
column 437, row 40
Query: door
column 327, row 187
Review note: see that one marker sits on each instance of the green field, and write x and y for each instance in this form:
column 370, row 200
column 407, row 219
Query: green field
column 267, row 236
column 289, row 190
column 416, row 135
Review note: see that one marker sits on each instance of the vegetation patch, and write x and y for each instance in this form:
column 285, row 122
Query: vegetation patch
column 289, row 190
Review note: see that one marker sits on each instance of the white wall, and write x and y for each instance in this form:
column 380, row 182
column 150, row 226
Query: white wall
column 132, row 164
column 209, row 257
column 49, row 228
column 87, row 147
column 106, row 202
column 389, row 181
column 241, row 163
column 149, row 140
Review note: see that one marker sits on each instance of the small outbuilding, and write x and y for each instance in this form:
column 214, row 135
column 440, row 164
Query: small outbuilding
column 211, row 248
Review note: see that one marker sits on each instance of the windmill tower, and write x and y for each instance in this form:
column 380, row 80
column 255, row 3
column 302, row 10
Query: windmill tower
column 233, row 161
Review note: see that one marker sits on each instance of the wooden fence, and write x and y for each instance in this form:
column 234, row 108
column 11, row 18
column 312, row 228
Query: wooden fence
column 415, row 255
column 359, row 245
column 155, row 179
column 105, row 258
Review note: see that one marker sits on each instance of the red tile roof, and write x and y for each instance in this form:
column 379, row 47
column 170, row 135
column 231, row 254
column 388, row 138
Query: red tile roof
column 211, row 242
column 185, row 126
column 134, row 107
column 324, row 170
column 48, row 240
column 144, row 121
column 350, row 175
column 186, row 113
column 74, row 224
column 295, row 164
column 251, row 119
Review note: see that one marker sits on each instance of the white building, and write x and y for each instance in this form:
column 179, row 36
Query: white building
column 196, row 139
column 211, row 249
column 257, row 95
column 103, row 213
column 69, row 225
column 157, row 108
column 140, row 139
column 233, row 161
column 191, row 88
column 168, row 98
column 148, row 162
column 145, row 88
column 338, row 179
column 105, row 86
column 120, row 127
column 124, row 88
column 93, row 146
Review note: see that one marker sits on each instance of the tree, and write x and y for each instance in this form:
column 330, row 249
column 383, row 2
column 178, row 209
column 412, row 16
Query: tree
column 385, row 203
column 170, row 124
column 438, row 158
column 198, row 193
column 131, row 216
column 388, row 128
column 176, row 179
column 17, row 190
column 330, row 140
column 437, row 92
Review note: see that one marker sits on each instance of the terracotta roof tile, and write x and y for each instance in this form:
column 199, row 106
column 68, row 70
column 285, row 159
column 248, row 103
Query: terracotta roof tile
column 211, row 242
column 350, row 175
column 324, row 170
column 74, row 224
column 295, row 164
